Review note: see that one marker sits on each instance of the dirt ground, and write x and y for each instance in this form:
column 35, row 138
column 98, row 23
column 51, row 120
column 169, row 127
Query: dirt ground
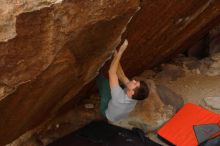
column 193, row 88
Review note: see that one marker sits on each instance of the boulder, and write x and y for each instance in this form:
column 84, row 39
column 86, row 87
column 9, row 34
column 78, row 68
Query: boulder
column 212, row 102
column 159, row 31
column 211, row 66
column 169, row 97
column 49, row 50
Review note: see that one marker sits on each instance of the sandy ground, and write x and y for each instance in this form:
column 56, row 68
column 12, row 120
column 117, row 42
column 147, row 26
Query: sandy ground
column 193, row 88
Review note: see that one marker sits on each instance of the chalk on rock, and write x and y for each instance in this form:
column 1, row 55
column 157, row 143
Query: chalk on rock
column 57, row 125
column 89, row 106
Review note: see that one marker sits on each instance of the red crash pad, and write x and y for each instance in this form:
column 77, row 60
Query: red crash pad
column 179, row 129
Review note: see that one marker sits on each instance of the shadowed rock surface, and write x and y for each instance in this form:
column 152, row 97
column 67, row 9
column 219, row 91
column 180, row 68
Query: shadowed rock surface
column 161, row 29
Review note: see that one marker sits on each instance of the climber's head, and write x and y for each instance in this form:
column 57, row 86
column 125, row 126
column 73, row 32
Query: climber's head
column 137, row 90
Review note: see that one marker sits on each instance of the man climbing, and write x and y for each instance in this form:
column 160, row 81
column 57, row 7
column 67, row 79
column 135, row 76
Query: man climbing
column 117, row 103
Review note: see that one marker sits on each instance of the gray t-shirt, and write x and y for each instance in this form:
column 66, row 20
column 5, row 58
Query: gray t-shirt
column 120, row 105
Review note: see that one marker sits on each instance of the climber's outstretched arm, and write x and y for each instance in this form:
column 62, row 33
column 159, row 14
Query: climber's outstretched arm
column 121, row 75
column 113, row 77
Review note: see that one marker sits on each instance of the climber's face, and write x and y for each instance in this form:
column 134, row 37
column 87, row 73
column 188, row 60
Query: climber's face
column 133, row 84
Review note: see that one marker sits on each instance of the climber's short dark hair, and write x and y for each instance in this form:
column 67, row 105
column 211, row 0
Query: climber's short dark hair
column 141, row 92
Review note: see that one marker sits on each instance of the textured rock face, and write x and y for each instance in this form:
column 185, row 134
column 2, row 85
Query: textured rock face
column 12, row 8
column 49, row 49
column 56, row 51
column 163, row 28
